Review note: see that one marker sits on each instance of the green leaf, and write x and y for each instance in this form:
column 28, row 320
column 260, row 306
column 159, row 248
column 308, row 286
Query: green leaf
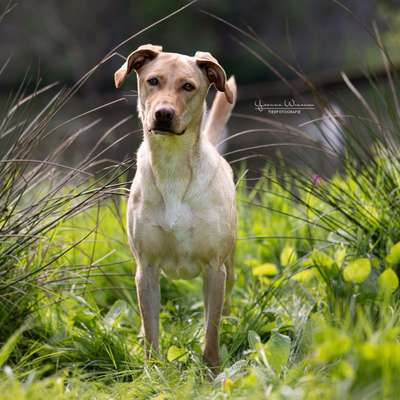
column 357, row 271
column 388, row 280
column 254, row 340
column 176, row 353
column 256, row 345
column 343, row 370
column 266, row 269
column 340, row 256
column 394, row 254
column 304, row 276
column 335, row 344
column 251, row 262
column 277, row 350
column 116, row 314
column 321, row 259
column 288, row 256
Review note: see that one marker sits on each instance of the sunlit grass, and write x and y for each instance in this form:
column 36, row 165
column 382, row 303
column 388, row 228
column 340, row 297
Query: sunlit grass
column 336, row 338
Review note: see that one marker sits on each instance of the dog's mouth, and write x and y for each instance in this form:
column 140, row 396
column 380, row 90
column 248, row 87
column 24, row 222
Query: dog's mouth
column 166, row 131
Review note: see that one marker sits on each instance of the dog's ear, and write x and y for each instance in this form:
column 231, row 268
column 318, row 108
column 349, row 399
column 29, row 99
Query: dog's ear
column 136, row 60
column 214, row 72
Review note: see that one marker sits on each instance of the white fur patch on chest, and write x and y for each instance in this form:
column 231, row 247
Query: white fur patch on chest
column 171, row 217
column 177, row 218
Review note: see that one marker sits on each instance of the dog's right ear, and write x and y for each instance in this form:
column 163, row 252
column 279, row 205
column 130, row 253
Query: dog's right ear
column 136, row 60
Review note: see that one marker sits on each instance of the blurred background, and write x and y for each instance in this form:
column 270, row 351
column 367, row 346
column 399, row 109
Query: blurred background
column 60, row 41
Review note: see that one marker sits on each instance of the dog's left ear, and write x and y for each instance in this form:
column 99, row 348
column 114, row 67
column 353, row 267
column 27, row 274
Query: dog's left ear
column 136, row 60
column 215, row 73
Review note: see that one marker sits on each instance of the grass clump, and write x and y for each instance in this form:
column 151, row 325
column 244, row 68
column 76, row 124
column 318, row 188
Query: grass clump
column 300, row 327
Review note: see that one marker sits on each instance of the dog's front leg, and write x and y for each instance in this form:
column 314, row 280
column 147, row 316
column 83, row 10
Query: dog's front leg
column 148, row 292
column 214, row 292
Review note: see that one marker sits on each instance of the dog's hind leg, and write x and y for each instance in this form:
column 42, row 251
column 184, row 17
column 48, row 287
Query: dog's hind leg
column 214, row 290
column 148, row 292
column 230, row 281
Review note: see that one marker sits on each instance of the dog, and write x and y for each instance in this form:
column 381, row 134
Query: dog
column 181, row 214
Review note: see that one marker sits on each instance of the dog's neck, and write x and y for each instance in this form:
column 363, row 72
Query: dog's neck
column 172, row 155
column 172, row 160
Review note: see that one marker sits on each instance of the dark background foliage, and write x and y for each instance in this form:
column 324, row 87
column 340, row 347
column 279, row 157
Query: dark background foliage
column 65, row 38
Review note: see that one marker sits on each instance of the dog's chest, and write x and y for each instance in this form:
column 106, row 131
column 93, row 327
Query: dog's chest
column 176, row 218
column 175, row 212
column 174, row 237
column 174, row 232
column 179, row 218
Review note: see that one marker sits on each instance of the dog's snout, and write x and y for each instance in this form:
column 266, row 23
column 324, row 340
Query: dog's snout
column 163, row 120
column 165, row 115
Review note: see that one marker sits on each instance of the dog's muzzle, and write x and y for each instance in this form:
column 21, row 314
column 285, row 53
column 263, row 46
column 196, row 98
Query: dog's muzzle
column 163, row 121
column 166, row 132
column 163, row 118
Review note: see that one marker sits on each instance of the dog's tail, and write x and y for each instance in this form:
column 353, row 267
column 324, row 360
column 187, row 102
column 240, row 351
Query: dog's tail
column 220, row 113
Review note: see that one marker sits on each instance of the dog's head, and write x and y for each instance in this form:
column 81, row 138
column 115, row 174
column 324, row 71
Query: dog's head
column 172, row 87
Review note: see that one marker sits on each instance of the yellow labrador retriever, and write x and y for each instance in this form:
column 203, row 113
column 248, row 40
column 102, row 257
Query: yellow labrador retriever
column 181, row 210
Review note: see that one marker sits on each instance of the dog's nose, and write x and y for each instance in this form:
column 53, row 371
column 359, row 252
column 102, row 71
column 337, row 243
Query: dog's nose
column 165, row 115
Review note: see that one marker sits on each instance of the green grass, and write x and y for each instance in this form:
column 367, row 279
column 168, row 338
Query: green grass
column 298, row 329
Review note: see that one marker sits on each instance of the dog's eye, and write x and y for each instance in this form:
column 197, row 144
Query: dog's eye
column 188, row 87
column 152, row 81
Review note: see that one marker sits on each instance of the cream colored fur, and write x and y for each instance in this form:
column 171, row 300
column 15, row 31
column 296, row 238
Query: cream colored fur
column 181, row 214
